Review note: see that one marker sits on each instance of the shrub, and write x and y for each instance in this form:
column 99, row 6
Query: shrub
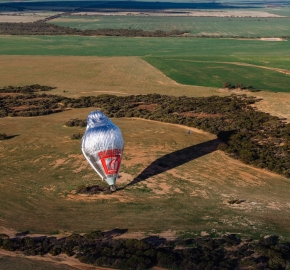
column 55, row 251
column 76, row 136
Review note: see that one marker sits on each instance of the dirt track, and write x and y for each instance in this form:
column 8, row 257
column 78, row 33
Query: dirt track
column 60, row 260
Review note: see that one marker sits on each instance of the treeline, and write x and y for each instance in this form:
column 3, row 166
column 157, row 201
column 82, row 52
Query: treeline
column 99, row 249
column 254, row 137
column 42, row 28
column 27, row 104
column 25, row 89
column 240, row 86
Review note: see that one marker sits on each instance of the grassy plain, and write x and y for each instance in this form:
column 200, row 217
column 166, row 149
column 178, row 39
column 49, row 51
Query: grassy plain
column 211, row 73
column 41, row 166
column 79, row 76
column 7, row 262
column 251, row 51
column 171, row 55
column 22, row 16
column 212, row 26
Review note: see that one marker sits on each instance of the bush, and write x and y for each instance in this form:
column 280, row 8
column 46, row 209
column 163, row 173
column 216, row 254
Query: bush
column 94, row 235
column 165, row 260
column 231, row 239
column 76, row 136
column 269, row 240
column 76, row 123
column 55, row 251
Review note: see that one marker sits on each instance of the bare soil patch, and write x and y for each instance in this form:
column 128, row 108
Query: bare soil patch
column 23, row 17
column 9, row 94
column 23, row 108
column 122, row 198
column 273, row 39
column 148, row 107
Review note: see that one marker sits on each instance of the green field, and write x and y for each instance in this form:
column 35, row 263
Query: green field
column 249, row 51
column 178, row 58
column 207, row 73
column 197, row 26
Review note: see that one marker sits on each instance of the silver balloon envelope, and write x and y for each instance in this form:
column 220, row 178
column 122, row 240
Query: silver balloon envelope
column 102, row 146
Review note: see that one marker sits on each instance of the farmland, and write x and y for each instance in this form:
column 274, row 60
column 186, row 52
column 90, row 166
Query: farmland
column 209, row 57
column 211, row 73
column 42, row 167
column 24, row 16
column 195, row 26
column 273, row 54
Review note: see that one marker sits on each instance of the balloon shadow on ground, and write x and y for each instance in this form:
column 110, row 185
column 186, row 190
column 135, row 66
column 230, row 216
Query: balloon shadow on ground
column 21, row 234
column 175, row 159
column 11, row 136
column 115, row 232
column 155, row 240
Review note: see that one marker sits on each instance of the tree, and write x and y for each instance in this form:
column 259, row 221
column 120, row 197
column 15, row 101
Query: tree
column 227, row 85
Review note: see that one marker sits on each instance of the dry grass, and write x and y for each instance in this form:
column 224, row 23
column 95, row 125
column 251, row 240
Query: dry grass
column 42, row 166
column 277, row 104
column 92, row 75
column 80, row 76
column 23, row 17
column 181, row 183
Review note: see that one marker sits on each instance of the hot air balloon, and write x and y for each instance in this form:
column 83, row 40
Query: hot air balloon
column 102, row 146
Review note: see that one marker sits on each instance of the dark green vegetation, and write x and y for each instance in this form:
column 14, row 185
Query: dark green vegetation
column 25, row 102
column 254, row 137
column 98, row 248
column 42, row 28
column 191, row 71
column 76, row 123
column 27, row 89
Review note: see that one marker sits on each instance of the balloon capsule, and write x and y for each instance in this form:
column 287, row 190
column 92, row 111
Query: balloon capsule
column 102, row 146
